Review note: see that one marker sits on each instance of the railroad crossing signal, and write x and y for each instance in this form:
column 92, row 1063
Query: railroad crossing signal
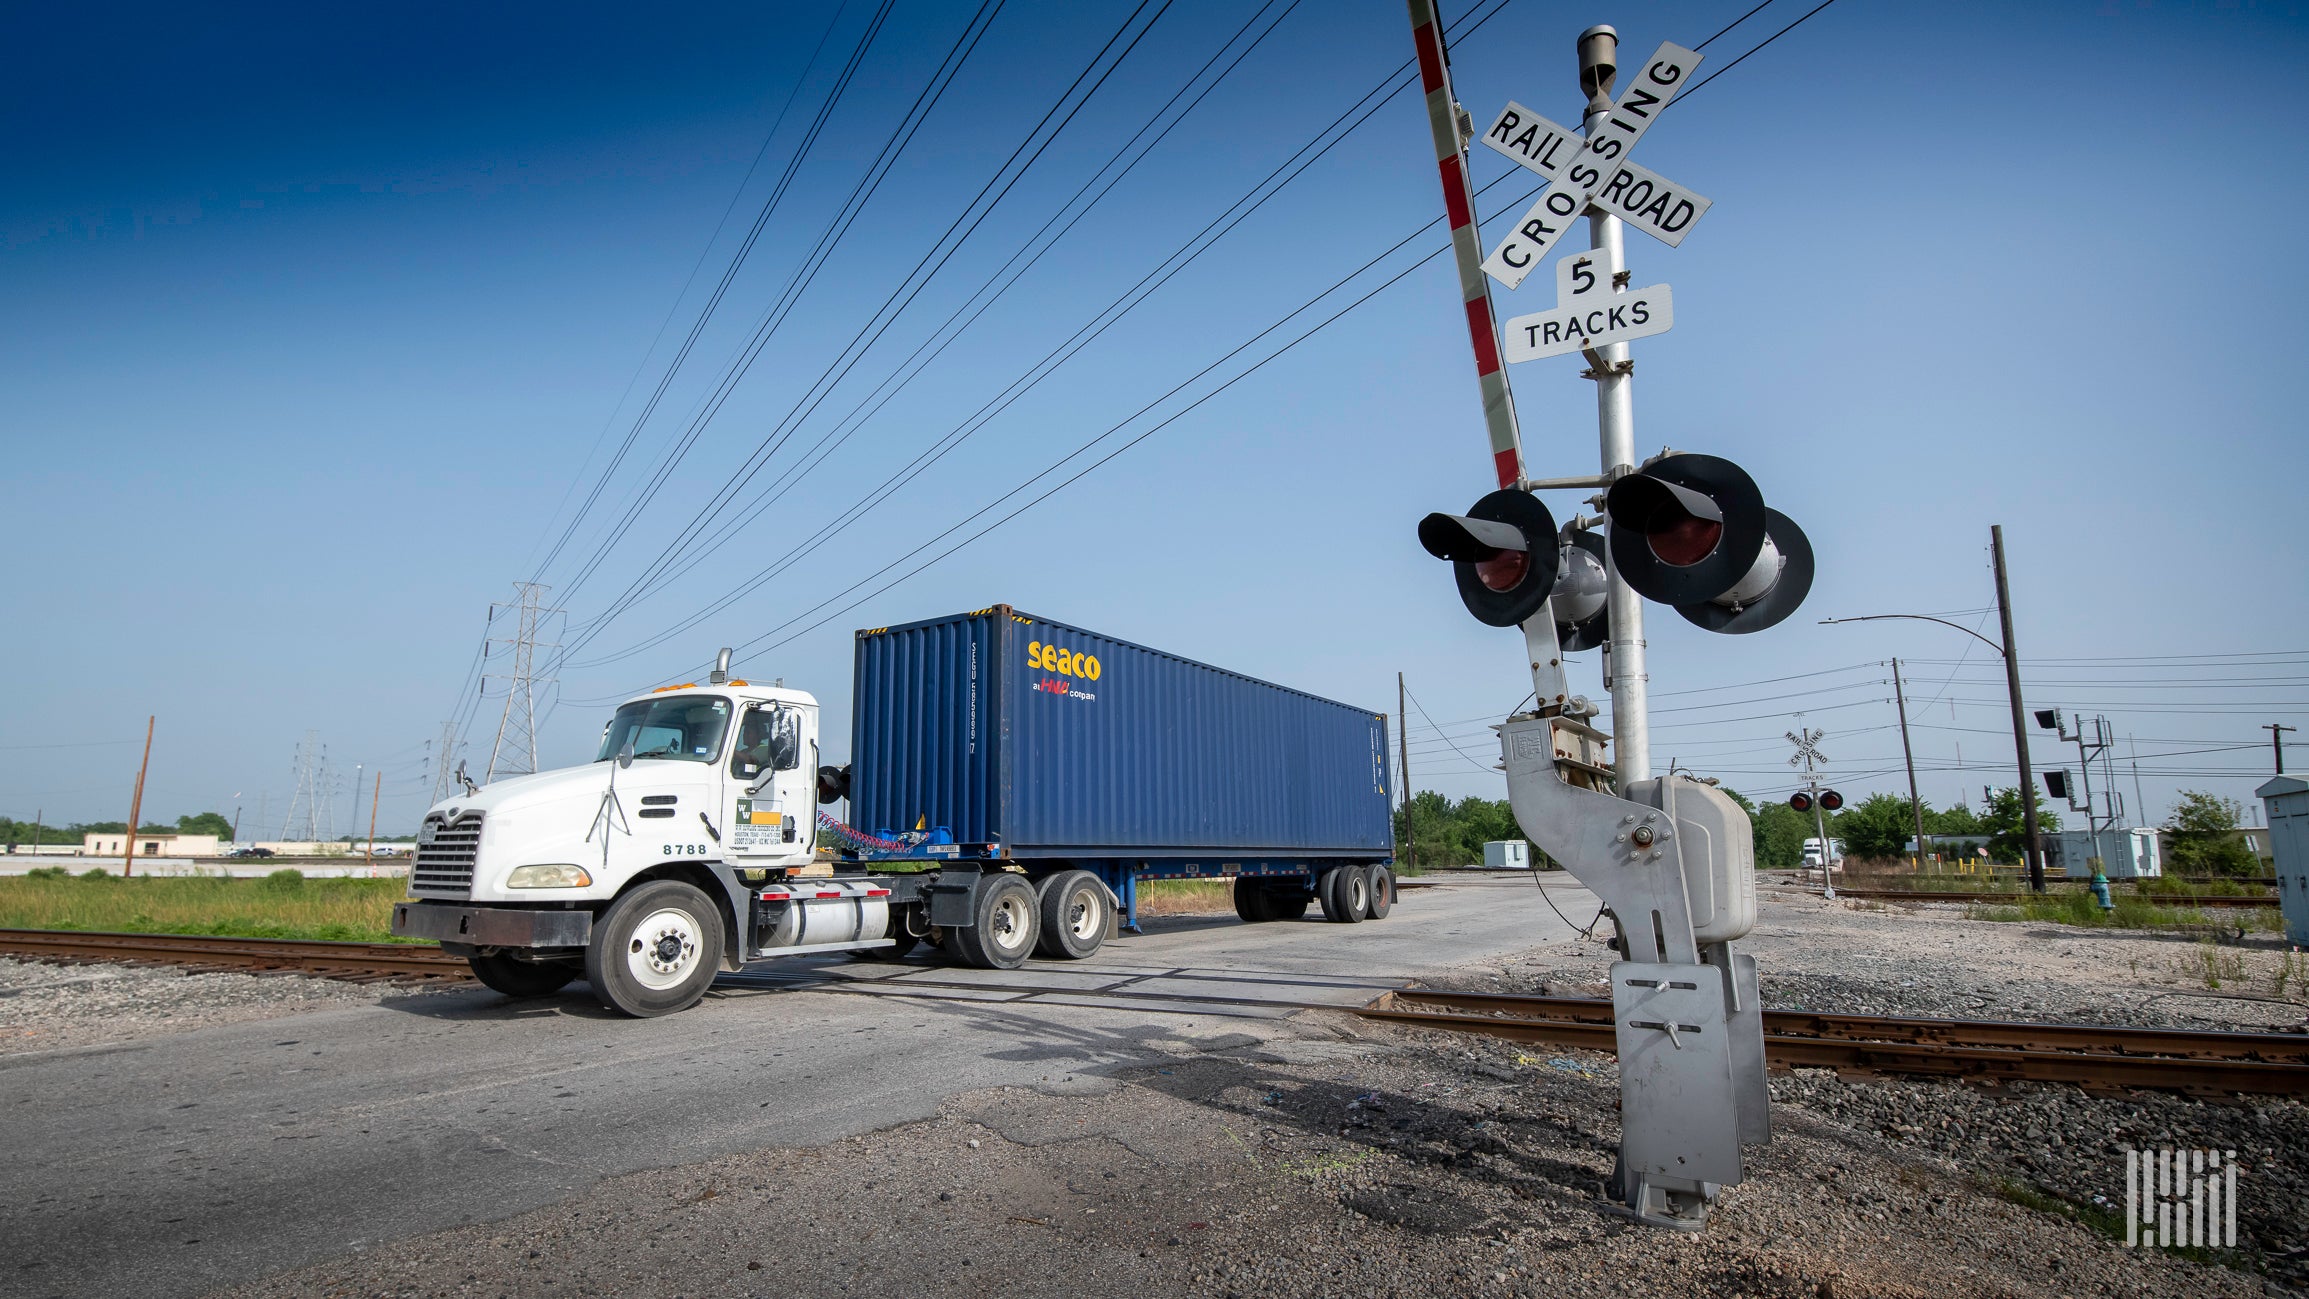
column 1595, row 170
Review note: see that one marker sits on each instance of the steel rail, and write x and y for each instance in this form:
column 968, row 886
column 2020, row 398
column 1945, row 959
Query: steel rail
column 2093, row 1056
column 1958, row 895
column 313, row 956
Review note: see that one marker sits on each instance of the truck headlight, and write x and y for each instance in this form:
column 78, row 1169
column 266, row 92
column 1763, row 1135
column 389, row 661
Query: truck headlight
column 559, row 875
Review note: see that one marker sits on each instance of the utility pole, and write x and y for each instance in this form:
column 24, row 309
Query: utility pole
column 1403, row 768
column 2277, row 739
column 236, row 823
column 1908, row 755
column 370, row 857
column 37, row 814
column 136, row 806
column 353, row 822
column 514, row 753
column 1614, row 375
column 2032, row 847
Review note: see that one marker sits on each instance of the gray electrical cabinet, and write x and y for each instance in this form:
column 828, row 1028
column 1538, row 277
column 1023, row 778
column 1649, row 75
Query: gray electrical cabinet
column 2287, row 801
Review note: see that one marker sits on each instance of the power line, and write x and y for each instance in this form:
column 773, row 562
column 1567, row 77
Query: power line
column 1227, row 220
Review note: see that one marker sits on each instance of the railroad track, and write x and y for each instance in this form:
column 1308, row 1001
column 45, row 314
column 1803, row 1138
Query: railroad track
column 1914, row 895
column 2095, row 1057
column 356, row 962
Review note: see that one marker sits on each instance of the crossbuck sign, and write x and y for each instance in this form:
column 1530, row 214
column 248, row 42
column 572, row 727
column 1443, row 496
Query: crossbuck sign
column 1595, row 170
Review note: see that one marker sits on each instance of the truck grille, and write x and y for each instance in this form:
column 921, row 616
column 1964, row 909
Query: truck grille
column 445, row 866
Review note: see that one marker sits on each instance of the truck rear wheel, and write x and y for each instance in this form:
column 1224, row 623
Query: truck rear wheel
column 1074, row 915
column 502, row 972
column 1253, row 902
column 1005, row 921
column 655, row 950
column 1346, row 894
column 1287, row 901
column 1382, row 890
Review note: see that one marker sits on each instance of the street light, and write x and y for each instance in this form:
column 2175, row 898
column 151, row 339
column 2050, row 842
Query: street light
column 2032, row 849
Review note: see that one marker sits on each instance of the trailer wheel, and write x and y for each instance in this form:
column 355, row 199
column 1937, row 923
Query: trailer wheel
column 1346, row 895
column 1074, row 915
column 502, row 972
column 1253, row 902
column 655, row 950
column 1287, row 901
column 1005, row 924
column 1382, row 884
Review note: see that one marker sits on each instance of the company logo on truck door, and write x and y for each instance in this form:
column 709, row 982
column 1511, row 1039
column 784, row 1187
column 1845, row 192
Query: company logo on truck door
column 1070, row 667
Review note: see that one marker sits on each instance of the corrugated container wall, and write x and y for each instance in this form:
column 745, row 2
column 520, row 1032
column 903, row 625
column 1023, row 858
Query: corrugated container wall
column 1046, row 740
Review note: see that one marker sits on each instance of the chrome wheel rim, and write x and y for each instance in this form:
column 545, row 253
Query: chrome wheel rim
column 665, row 948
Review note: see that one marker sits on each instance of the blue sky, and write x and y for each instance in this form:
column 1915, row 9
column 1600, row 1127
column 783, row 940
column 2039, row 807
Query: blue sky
column 320, row 325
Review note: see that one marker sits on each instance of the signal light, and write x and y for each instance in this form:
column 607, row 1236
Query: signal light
column 1693, row 531
column 1831, row 801
column 2056, row 784
column 1503, row 552
column 1581, row 598
column 1801, row 801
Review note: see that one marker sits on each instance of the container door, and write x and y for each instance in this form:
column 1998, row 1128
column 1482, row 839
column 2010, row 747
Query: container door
column 770, row 789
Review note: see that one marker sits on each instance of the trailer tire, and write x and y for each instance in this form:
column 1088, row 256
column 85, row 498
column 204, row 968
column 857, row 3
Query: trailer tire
column 1005, row 924
column 1287, row 901
column 656, row 950
column 1075, row 914
column 1346, row 894
column 1382, row 882
column 1253, row 902
column 502, row 972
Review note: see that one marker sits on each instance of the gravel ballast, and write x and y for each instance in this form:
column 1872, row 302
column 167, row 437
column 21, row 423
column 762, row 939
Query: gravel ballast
column 46, row 1007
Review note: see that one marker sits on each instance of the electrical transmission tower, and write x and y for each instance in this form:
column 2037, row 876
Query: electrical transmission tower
column 445, row 762
column 310, row 801
column 515, row 751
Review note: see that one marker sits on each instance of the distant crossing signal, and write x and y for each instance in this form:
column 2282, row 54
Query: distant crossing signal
column 1801, row 801
column 1831, row 801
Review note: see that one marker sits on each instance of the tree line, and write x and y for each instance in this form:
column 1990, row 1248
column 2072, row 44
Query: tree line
column 2202, row 835
column 27, row 832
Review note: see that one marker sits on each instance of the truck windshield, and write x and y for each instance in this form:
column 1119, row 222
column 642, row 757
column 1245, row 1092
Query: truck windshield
column 687, row 727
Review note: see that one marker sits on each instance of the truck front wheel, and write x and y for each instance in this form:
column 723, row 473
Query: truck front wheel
column 502, row 972
column 655, row 950
column 1006, row 925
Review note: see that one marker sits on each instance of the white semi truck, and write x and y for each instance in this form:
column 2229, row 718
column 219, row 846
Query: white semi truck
column 680, row 850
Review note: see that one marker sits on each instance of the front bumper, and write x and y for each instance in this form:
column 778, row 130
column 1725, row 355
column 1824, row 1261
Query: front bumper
column 451, row 924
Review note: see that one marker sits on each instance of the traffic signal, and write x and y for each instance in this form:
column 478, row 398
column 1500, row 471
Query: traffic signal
column 1831, row 801
column 2056, row 784
column 1693, row 531
column 1801, row 801
column 1503, row 552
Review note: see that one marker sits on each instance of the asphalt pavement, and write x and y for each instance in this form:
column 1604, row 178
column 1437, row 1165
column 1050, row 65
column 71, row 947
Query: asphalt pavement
column 178, row 1164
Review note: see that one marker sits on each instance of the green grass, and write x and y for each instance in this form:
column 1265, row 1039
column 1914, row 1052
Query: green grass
column 2075, row 906
column 283, row 905
column 2162, row 887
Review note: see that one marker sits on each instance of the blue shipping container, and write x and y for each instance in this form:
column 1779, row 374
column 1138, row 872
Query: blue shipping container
column 1030, row 739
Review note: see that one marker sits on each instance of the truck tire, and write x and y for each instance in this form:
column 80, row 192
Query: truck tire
column 1005, row 921
column 1074, row 915
column 1346, row 895
column 1382, row 890
column 502, row 972
column 1287, row 901
column 656, row 950
column 1253, row 902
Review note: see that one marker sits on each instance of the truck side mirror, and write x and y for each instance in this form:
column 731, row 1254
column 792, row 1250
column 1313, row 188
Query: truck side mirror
column 625, row 755
column 785, row 741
